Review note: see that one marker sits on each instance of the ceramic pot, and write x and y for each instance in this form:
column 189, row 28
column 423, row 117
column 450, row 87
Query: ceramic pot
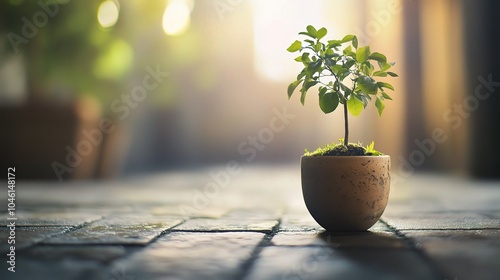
column 346, row 193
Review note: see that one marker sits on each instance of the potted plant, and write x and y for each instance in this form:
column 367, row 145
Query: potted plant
column 63, row 50
column 345, row 185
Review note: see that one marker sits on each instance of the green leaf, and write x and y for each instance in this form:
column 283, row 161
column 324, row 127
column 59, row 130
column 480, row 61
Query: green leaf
column 370, row 147
column 298, row 58
column 384, row 66
column 386, row 96
column 322, row 91
column 318, row 47
column 362, row 54
column 295, row 46
column 367, row 68
column 392, row 74
column 321, row 33
column 303, row 96
column 363, row 97
column 348, row 51
column 328, row 102
column 329, row 62
column 336, row 68
column 301, row 74
column 386, row 85
column 354, row 106
column 344, row 74
column 370, row 150
column 314, row 66
column 304, row 33
column 380, row 74
column 292, row 87
column 367, row 85
column 355, row 42
column 378, row 57
column 334, row 43
column 312, row 31
column 347, row 38
column 349, row 63
column 345, row 89
column 307, row 85
column 305, row 57
column 380, row 105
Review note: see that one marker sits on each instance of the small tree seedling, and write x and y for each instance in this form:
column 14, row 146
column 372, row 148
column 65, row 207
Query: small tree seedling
column 344, row 72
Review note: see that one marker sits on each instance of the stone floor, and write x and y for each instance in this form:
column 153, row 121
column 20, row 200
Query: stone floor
column 247, row 224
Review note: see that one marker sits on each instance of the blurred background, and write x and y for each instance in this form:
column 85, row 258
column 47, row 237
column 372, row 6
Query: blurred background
column 107, row 88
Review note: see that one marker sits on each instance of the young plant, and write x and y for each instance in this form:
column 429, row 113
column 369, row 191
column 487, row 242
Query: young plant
column 345, row 74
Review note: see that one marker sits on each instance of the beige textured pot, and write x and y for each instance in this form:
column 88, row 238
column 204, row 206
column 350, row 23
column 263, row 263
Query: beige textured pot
column 346, row 193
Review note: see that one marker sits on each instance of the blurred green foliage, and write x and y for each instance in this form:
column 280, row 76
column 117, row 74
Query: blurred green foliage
column 64, row 47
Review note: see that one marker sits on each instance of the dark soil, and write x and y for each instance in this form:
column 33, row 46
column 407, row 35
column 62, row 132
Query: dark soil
column 350, row 150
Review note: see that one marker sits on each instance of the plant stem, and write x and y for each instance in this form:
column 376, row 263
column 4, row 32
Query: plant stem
column 346, row 136
column 346, row 115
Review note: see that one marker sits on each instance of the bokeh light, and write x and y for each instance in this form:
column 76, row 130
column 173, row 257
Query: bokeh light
column 176, row 18
column 115, row 61
column 108, row 13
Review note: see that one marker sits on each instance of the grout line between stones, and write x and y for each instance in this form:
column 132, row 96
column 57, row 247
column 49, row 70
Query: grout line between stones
column 221, row 231
column 165, row 232
column 245, row 267
column 132, row 249
column 67, row 230
column 71, row 227
column 421, row 253
column 266, row 240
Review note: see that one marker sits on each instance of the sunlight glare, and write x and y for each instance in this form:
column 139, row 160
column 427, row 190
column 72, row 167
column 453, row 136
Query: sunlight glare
column 276, row 24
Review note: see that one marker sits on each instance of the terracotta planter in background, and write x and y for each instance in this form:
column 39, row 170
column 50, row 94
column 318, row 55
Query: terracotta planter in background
column 346, row 193
column 39, row 134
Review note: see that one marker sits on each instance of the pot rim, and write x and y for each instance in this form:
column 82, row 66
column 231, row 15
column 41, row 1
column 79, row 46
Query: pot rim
column 346, row 157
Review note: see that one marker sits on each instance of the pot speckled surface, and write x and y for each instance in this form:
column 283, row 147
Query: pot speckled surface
column 346, row 193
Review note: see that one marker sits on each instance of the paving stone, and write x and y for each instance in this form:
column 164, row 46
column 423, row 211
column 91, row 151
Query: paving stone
column 380, row 226
column 182, row 240
column 55, row 270
column 220, row 225
column 188, row 255
column 472, row 254
column 276, row 262
column 299, row 223
column 368, row 240
column 48, row 219
column 108, row 235
column 305, row 222
column 493, row 214
column 97, row 210
column 118, row 230
column 103, row 254
column 178, row 210
column 254, row 214
column 26, row 236
column 138, row 219
column 307, row 238
column 81, row 231
column 453, row 220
